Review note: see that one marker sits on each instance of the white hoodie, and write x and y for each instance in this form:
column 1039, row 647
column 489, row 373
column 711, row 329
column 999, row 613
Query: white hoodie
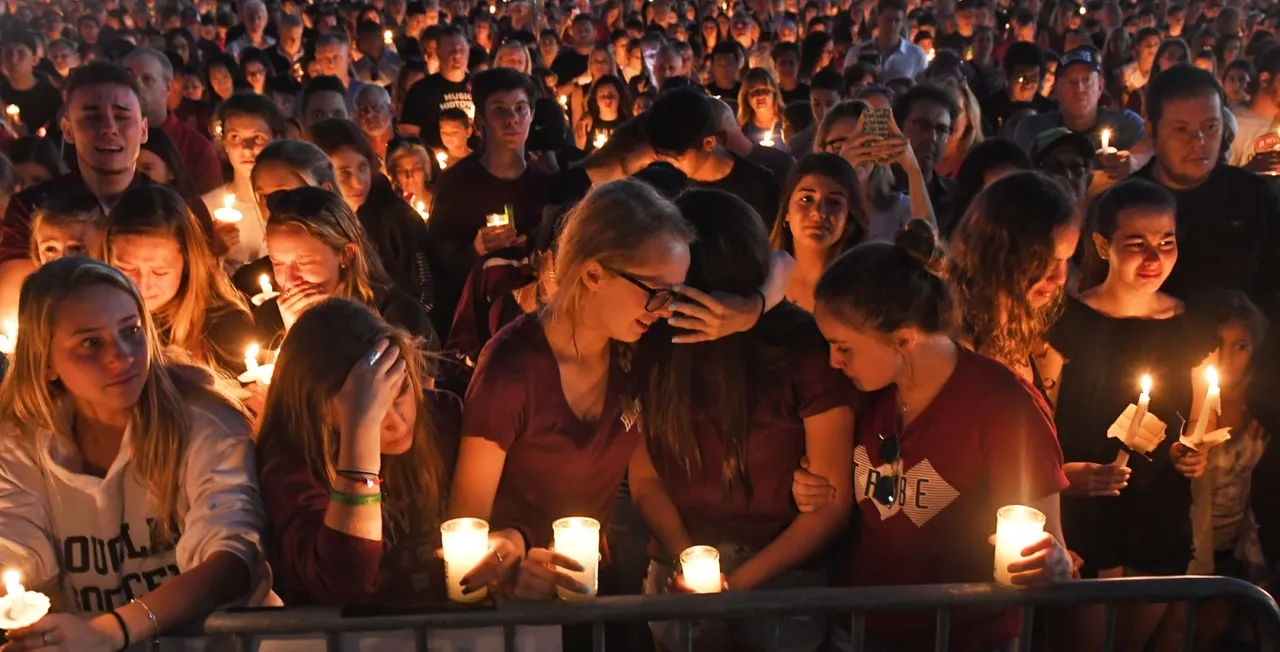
column 85, row 541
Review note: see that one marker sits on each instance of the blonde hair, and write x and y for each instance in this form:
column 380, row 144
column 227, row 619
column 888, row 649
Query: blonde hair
column 158, row 422
column 972, row 134
column 755, row 78
column 68, row 213
column 517, row 45
column 323, row 215
column 297, row 422
column 204, row 290
column 609, row 226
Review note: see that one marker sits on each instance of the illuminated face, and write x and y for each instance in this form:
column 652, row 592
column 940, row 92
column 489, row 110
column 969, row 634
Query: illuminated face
column 154, row 263
column 98, row 351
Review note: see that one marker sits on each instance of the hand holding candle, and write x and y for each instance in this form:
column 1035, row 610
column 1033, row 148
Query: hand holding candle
column 1137, row 430
column 19, row 607
column 1017, row 527
column 228, row 213
column 465, row 542
column 268, row 293
column 578, row 538
column 1106, row 142
column 255, row 372
column 600, row 140
column 1210, row 407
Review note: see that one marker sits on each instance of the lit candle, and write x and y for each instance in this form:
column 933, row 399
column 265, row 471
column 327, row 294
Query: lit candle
column 1082, row 10
column 1135, row 426
column 443, row 159
column 228, row 213
column 929, row 57
column 767, row 141
column 1106, row 142
column 9, row 337
column 217, row 130
column 387, row 37
column 493, row 9
column 1017, row 527
column 601, row 139
column 700, row 566
column 42, row 132
column 19, row 607
column 495, row 220
column 15, row 114
column 255, row 372
column 268, row 293
column 465, row 542
column 564, row 102
column 1211, row 397
column 422, row 210
column 578, row 538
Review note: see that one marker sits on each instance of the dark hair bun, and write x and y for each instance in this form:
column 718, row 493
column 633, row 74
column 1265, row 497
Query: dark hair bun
column 920, row 241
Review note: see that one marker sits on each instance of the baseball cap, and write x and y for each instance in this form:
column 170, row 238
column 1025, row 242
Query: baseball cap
column 1083, row 55
column 1046, row 141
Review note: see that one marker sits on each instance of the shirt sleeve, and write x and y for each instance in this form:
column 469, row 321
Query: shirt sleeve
column 15, row 231
column 497, row 395
column 820, row 387
column 220, row 490
column 202, row 160
column 1021, row 452
column 331, row 567
column 26, row 533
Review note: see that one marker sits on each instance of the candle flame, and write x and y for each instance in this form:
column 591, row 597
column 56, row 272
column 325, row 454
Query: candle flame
column 265, row 284
column 1106, row 138
column 251, row 351
column 386, row 37
column 42, row 132
column 229, row 200
column 13, row 582
column 442, row 159
column 493, row 9
column 1082, row 11
column 1211, row 376
column 601, row 139
column 1146, row 384
column 929, row 57
column 767, row 141
column 12, row 110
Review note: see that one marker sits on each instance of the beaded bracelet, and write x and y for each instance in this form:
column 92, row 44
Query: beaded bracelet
column 155, row 622
column 355, row 500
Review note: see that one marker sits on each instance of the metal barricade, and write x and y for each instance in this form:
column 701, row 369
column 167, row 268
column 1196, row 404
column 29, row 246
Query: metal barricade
column 246, row 627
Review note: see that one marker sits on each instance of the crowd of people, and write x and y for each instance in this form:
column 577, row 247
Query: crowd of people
column 285, row 286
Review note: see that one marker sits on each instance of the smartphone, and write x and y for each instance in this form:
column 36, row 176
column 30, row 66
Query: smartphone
column 876, row 123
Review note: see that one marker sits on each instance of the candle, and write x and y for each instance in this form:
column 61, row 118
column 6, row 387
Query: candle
column 1106, row 142
column 767, row 141
column 387, row 37
column 15, row 114
column 1082, row 10
column 601, row 139
column 564, row 102
column 495, row 220
column 1017, row 527
column 1135, row 426
column 1211, row 397
column 700, row 566
column 443, row 159
column 929, row 57
column 466, row 543
column 228, row 213
column 422, row 210
column 268, row 293
column 19, row 607
column 42, row 132
column 9, row 337
column 255, row 372
column 578, row 538
column 493, row 9
column 217, row 130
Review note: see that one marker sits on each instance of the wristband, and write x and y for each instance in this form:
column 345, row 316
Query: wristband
column 123, row 628
column 355, row 500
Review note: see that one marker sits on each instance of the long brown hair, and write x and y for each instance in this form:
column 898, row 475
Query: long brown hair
column 1002, row 247
column 835, row 168
column 311, row 368
column 204, row 291
column 324, row 216
column 716, row 382
column 158, row 423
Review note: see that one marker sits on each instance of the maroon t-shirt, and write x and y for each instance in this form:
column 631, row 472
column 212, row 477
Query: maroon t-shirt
column 985, row 441
column 784, row 398
column 556, row 465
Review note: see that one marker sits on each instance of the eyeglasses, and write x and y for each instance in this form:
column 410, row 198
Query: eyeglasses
column 834, row 145
column 886, row 490
column 659, row 298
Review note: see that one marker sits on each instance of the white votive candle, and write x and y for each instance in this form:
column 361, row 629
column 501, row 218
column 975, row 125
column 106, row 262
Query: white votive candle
column 1017, row 526
column 578, row 538
column 228, row 213
column 465, row 542
column 700, row 566
column 9, row 337
column 16, row 592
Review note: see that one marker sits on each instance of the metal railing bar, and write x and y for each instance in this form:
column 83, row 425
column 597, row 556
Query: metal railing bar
column 775, row 641
column 597, row 636
column 942, row 636
column 686, row 635
column 730, row 605
column 509, row 638
column 1109, row 629
column 1028, row 623
column 420, row 638
column 1189, row 627
column 858, row 631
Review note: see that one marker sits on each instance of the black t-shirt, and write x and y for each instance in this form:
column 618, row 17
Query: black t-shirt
column 569, row 65
column 955, row 41
column 776, row 161
column 465, row 195
column 400, row 237
column 798, row 94
column 751, row 183
column 428, row 97
column 39, row 104
column 1228, row 236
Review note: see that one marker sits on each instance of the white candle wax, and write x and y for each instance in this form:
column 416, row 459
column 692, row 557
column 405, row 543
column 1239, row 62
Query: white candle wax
column 268, row 293
column 1017, row 527
column 254, row 372
column 578, row 538
column 1144, row 401
column 16, row 592
column 465, row 542
column 700, row 566
column 1210, row 404
column 251, row 357
column 767, row 141
column 19, row 607
column 442, row 159
column 9, row 337
column 228, row 213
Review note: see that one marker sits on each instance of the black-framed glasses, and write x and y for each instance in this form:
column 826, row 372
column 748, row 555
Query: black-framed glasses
column 885, row 491
column 659, row 298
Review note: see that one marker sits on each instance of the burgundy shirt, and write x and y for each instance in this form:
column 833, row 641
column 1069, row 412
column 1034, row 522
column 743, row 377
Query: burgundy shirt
column 784, row 398
column 197, row 152
column 316, row 564
column 488, row 303
column 15, row 228
column 985, row 441
column 556, row 465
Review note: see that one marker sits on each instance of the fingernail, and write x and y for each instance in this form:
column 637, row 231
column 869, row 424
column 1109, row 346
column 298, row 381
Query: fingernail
column 582, row 588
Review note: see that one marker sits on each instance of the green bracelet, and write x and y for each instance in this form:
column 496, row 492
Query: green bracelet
column 355, row 500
